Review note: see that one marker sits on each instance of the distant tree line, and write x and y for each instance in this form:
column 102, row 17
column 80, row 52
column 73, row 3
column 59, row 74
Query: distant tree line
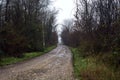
column 26, row 25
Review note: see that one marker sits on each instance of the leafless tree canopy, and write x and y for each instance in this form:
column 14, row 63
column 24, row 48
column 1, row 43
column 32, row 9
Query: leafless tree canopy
column 25, row 25
column 96, row 24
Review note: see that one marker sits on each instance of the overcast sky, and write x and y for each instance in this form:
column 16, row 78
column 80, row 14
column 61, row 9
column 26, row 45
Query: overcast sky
column 66, row 9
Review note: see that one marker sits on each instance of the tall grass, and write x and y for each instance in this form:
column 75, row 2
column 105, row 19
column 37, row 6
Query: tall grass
column 93, row 67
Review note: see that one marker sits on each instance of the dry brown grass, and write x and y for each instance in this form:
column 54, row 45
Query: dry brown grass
column 94, row 67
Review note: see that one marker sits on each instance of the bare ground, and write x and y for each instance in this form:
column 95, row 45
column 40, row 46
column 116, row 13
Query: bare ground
column 55, row 65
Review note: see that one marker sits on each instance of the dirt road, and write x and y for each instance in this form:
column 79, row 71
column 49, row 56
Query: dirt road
column 55, row 65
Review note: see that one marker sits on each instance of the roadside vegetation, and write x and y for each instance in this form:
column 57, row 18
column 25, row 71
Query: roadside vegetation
column 94, row 67
column 10, row 60
column 95, row 36
column 26, row 26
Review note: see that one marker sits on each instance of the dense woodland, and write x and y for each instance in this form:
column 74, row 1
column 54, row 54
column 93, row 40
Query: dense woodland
column 96, row 28
column 93, row 35
column 26, row 26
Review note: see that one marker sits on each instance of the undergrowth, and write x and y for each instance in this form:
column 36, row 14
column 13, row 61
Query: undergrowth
column 10, row 60
column 94, row 67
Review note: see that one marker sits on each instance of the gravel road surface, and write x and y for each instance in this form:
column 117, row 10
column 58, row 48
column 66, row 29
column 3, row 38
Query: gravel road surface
column 55, row 65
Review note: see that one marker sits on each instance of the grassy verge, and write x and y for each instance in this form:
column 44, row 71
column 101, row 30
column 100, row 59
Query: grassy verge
column 11, row 60
column 49, row 49
column 92, row 67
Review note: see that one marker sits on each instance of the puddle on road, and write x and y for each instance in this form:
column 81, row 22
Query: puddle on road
column 61, row 55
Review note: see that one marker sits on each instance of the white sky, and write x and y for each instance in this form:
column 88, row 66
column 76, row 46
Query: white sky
column 66, row 9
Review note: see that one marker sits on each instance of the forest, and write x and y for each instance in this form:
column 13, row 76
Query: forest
column 95, row 34
column 26, row 26
column 28, row 29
